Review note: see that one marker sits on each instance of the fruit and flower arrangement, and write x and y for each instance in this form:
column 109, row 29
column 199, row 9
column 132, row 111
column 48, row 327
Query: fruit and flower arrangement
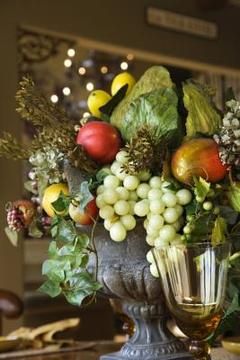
column 149, row 152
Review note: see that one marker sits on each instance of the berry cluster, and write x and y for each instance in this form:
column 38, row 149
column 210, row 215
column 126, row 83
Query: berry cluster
column 15, row 219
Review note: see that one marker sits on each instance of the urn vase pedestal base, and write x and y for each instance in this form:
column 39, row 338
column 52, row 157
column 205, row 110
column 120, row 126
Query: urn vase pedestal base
column 152, row 339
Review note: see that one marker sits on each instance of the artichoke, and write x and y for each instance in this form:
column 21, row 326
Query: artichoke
column 203, row 117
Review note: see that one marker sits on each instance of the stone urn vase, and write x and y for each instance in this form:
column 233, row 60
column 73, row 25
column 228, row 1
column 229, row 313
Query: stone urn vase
column 123, row 271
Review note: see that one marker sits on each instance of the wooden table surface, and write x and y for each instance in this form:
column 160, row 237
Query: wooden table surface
column 97, row 349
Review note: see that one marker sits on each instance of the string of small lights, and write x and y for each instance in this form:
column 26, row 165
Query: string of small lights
column 95, row 71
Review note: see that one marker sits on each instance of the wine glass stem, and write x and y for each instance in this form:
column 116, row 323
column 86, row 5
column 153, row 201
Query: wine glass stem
column 200, row 350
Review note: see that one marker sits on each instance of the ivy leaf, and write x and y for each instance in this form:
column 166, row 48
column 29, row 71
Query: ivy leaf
column 68, row 256
column 108, row 108
column 101, row 174
column 34, row 231
column 85, row 195
column 83, row 285
column 82, row 241
column 54, row 270
column 50, row 288
column 66, row 231
column 218, row 231
column 97, row 180
column 12, row 236
column 62, row 203
column 76, row 297
column 228, row 214
column 201, row 188
column 54, row 226
column 191, row 208
column 52, row 249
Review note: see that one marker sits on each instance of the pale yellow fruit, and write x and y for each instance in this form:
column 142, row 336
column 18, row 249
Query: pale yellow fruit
column 74, row 213
column 97, row 99
column 51, row 194
column 120, row 80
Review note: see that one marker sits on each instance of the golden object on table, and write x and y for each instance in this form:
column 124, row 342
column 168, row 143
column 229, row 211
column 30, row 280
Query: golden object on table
column 232, row 344
column 38, row 338
column 7, row 344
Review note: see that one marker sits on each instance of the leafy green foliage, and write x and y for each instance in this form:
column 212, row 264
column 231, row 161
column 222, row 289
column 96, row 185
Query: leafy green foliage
column 155, row 78
column 157, row 111
column 219, row 231
column 228, row 318
column 12, row 235
column 192, row 208
column 34, row 229
column 66, row 266
column 97, row 179
column 234, row 195
column 85, row 195
column 62, row 203
column 228, row 214
column 201, row 188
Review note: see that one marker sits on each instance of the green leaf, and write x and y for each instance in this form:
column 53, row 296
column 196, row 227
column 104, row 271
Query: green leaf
column 33, row 230
column 54, row 225
column 228, row 319
column 155, row 78
column 228, row 214
column 66, row 231
column 157, row 111
column 76, row 297
column 82, row 285
column 233, row 195
column 192, row 207
column 85, row 195
column 52, row 249
column 101, row 174
column 42, row 183
column 54, row 270
column 201, row 188
column 12, row 236
column 30, row 186
column 97, row 179
column 235, row 259
column 62, row 203
column 203, row 116
column 50, row 288
column 82, row 241
column 108, row 108
column 219, row 231
column 82, row 280
column 203, row 225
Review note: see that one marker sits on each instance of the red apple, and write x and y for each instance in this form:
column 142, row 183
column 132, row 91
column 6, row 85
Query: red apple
column 198, row 157
column 84, row 217
column 100, row 140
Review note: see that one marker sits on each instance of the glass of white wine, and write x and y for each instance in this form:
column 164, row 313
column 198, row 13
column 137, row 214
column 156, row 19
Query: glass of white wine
column 194, row 281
